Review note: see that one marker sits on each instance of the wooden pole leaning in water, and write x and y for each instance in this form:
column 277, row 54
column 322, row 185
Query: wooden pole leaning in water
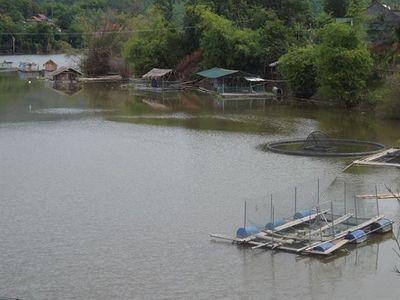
column 295, row 199
column 318, row 192
column 377, row 201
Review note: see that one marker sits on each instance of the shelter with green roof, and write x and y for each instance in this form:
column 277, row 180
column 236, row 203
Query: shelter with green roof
column 225, row 81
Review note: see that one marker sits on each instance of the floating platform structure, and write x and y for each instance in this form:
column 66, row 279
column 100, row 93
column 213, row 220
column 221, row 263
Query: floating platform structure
column 233, row 85
column 310, row 232
column 387, row 158
column 317, row 233
column 157, row 80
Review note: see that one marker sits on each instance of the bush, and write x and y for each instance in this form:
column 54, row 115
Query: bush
column 343, row 64
column 298, row 68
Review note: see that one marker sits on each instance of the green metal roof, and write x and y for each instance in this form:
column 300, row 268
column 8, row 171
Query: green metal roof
column 216, row 73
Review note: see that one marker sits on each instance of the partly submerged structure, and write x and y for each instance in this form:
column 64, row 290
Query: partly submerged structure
column 157, row 80
column 225, row 81
column 310, row 232
column 320, row 144
column 387, row 158
column 65, row 75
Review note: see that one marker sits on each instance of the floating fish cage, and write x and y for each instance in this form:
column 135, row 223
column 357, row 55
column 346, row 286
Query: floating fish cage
column 319, row 144
column 314, row 231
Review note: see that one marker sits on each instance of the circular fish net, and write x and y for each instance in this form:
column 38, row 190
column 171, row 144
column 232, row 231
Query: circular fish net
column 320, row 144
column 318, row 141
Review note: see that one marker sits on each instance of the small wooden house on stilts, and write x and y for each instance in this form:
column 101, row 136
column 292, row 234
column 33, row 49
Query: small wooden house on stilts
column 65, row 75
column 233, row 85
column 225, row 81
column 157, row 80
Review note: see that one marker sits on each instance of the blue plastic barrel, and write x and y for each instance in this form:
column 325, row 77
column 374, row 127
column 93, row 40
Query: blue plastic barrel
column 382, row 225
column 244, row 232
column 323, row 247
column 302, row 214
column 276, row 223
column 356, row 236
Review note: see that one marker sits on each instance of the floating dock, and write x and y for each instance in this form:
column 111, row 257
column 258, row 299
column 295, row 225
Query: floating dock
column 386, row 158
column 310, row 232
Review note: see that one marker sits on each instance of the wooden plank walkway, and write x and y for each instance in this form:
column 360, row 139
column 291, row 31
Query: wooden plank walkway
column 297, row 222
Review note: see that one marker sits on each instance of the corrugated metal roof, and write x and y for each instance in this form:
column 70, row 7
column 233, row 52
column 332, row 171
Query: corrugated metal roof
column 50, row 61
column 156, row 73
column 63, row 69
column 216, row 73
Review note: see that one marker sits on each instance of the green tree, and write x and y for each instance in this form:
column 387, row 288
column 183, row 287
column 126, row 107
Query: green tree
column 224, row 44
column 299, row 70
column 343, row 63
column 155, row 43
column 275, row 38
column 338, row 8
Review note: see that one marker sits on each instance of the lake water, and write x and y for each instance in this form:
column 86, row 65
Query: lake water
column 112, row 194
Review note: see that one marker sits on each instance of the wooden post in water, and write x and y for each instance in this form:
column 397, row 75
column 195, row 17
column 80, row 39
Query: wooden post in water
column 318, row 192
column 245, row 214
column 345, row 198
column 355, row 209
column 320, row 224
column 377, row 201
column 345, row 201
column 333, row 223
column 273, row 222
column 295, row 199
column 271, row 207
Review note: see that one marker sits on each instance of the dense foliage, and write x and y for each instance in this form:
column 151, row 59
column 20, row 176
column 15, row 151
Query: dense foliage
column 298, row 66
column 62, row 29
column 343, row 64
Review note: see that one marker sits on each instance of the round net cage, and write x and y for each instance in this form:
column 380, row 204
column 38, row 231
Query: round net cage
column 318, row 141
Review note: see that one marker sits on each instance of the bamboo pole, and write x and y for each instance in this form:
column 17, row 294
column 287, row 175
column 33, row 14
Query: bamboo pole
column 377, row 201
column 245, row 214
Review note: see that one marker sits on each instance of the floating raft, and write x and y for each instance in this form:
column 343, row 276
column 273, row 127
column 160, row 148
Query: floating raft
column 383, row 196
column 388, row 158
column 310, row 232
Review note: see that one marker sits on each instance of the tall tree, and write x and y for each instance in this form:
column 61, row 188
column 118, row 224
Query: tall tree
column 338, row 8
column 343, row 63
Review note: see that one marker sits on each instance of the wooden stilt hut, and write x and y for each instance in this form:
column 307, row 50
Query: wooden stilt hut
column 157, row 80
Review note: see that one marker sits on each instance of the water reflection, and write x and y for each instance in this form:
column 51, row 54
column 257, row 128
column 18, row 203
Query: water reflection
column 65, row 88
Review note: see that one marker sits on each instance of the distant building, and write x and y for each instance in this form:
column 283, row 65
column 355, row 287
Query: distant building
column 50, row 66
column 28, row 66
column 6, row 65
column 379, row 10
column 348, row 21
column 65, row 75
column 39, row 18
column 224, row 81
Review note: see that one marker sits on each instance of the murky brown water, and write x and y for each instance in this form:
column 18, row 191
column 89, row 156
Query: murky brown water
column 106, row 196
